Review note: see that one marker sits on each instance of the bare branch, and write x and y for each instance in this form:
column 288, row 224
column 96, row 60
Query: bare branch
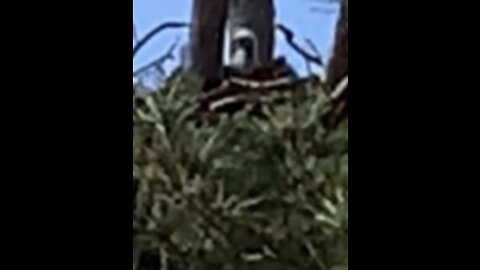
column 155, row 31
column 289, row 36
column 157, row 63
column 315, row 51
column 312, row 47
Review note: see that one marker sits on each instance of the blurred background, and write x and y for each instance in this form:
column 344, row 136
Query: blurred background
column 309, row 19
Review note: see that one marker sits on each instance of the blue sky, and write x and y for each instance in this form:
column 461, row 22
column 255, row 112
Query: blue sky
column 296, row 14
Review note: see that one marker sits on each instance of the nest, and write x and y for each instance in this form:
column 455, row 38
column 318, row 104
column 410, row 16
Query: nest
column 241, row 87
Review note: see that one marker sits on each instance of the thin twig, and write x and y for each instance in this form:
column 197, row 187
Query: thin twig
column 157, row 63
column 312, row 47
column 289, row 36
column 315, row 51
column 155, row 31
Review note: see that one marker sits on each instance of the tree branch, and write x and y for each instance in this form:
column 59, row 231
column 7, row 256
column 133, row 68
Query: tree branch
column 315, row 51
column 155, row 31
column 289, row 36
column 157, row 63
column 313, row 47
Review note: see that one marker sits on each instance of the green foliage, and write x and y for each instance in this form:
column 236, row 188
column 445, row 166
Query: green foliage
column 241, row 192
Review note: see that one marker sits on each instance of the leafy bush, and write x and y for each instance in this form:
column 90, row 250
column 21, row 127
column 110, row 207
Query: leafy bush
column 241, row 192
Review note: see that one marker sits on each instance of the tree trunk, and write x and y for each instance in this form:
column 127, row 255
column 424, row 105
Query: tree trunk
column 337, row 67
column 206, row 37
column 259, row 16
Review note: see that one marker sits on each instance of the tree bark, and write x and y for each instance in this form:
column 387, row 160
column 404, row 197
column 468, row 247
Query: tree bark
column 206, row 37
column 337, row 67
column 259, row 16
